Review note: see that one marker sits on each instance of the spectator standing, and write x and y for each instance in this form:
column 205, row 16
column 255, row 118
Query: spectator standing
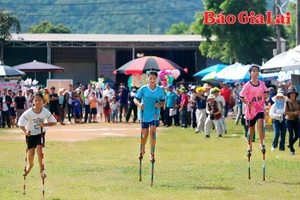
column 62, row 104
column 69, row 96
column 183, row 107
column 114, row 106
column 87, row 95
column 226, row 93
column 20, row 104
column 123, row 95
column 170, row 103
column 93, row 101
column 200, row 100
column 6, row 101
column 108, row 91
column 54, row 105
column 106, row 109
column 132, row 106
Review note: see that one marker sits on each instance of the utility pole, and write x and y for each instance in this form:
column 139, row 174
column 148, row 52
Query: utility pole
column 278, row 37
column 297, row 22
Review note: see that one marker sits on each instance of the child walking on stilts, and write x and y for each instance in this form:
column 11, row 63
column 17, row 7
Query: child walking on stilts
column 253, row 95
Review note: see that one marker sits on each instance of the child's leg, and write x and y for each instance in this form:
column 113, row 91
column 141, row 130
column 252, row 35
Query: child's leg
column 39, row 153
column 145, row 138
column 260, row 127
column 152, row 142
column 30, row 155
column 252, row 130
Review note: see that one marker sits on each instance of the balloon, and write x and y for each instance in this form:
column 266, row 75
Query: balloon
column 186, row 70
column 175, row 73
column 163, row 83
column 162, row 74
column 168, row 71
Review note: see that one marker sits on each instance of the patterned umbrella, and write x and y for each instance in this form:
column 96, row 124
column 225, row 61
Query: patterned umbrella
column 7, row 72
column 142, row 65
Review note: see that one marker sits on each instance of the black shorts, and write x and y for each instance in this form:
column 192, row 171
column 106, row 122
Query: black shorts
column 259, row 115
column 34, row 140
column 93, row 111
column 54, row 110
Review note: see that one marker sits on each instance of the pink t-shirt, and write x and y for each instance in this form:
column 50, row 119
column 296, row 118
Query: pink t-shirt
column 255, row 95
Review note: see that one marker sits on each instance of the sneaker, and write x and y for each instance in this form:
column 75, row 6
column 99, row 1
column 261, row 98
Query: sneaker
column 207, row 136
column 220, row 136
column 225, row 132
column 196, row 132
column 152, row 159
column 292, row 153
column 69, row 122
column 272, row 149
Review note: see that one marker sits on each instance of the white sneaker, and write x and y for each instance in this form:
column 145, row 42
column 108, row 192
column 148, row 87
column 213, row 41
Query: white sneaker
column 272, row 149
column 69, row 122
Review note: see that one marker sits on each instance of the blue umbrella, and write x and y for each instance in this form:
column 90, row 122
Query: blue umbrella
column 240, row 73
column 214, row 68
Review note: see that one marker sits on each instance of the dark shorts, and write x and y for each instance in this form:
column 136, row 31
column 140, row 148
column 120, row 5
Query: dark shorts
column 54, row 110
column 34, row 140
column 93, row 111
column 259, row 115
column 152, row 123
column 77, row 114
column 12, row 111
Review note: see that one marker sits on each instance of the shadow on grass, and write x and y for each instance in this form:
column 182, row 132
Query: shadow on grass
column 286, row 183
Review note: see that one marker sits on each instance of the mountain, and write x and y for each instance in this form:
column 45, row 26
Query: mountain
column 107, row 16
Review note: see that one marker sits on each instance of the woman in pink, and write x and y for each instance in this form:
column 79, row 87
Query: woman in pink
column 254, row 94
column 183, row 107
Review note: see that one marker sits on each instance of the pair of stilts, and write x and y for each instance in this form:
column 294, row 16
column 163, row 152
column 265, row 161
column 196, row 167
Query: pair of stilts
column 152, row 143
column 263, row 150
column 43, row 167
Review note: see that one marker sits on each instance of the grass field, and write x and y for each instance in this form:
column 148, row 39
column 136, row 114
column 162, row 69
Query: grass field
column 188, row 166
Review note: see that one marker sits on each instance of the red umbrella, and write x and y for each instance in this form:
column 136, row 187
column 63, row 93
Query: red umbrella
column 142, row 65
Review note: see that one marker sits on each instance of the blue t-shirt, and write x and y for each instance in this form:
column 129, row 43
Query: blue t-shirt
column 200, row 103
column 149, row 97
column 76, row 104
column 170, row 98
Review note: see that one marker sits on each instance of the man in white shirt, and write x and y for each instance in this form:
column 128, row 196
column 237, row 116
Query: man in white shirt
column 108, row 92
column 87, row 94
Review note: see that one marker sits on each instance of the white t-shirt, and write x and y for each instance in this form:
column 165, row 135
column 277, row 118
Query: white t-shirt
column 86, row 92
column 110, row 93
column 29, row 119
column 70, row 97
column 114, row 106
column 5, row 107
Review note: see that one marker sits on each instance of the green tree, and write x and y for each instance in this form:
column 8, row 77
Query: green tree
column 8, row 23
column 179, row 29
column 243, row 43
column 48, row 27
column 291, row 29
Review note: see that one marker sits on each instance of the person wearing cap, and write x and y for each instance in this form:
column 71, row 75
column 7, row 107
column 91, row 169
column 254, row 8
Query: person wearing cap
column 292, row 114
column 227, row 94
column 69, row 97
column 272, row 93
column 200, row 100
column 254, row 94
column 20, row 104
column 214, row 112
column 6, row 101
column 216, row 92
column 61, row 103
column 183, row 107
column 278, row 122
column 170, row 104
column 192, row 104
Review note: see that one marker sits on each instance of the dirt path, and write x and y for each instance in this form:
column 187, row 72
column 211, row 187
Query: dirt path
column 80, row 132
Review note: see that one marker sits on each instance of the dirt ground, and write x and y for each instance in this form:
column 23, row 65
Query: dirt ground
column 80, row 132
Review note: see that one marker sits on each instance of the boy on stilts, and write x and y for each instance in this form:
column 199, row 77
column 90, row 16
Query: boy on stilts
column 149, row 98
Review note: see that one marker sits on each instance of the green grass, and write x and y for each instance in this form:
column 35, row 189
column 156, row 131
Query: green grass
column 188, row 166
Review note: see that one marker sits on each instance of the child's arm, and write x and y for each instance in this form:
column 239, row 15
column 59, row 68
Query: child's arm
column 26, row 132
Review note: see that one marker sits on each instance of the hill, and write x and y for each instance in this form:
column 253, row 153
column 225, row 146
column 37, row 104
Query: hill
column 107, row 16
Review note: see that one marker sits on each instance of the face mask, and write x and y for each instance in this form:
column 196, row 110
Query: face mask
column 279, row 103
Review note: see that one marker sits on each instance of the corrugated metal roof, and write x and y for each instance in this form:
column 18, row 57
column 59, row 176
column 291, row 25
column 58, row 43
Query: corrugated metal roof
column 104, row 38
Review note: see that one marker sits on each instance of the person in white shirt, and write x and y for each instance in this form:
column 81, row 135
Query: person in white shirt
column 108, row 92
column 33, row 123
column 87, row 94
column 277, row 114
